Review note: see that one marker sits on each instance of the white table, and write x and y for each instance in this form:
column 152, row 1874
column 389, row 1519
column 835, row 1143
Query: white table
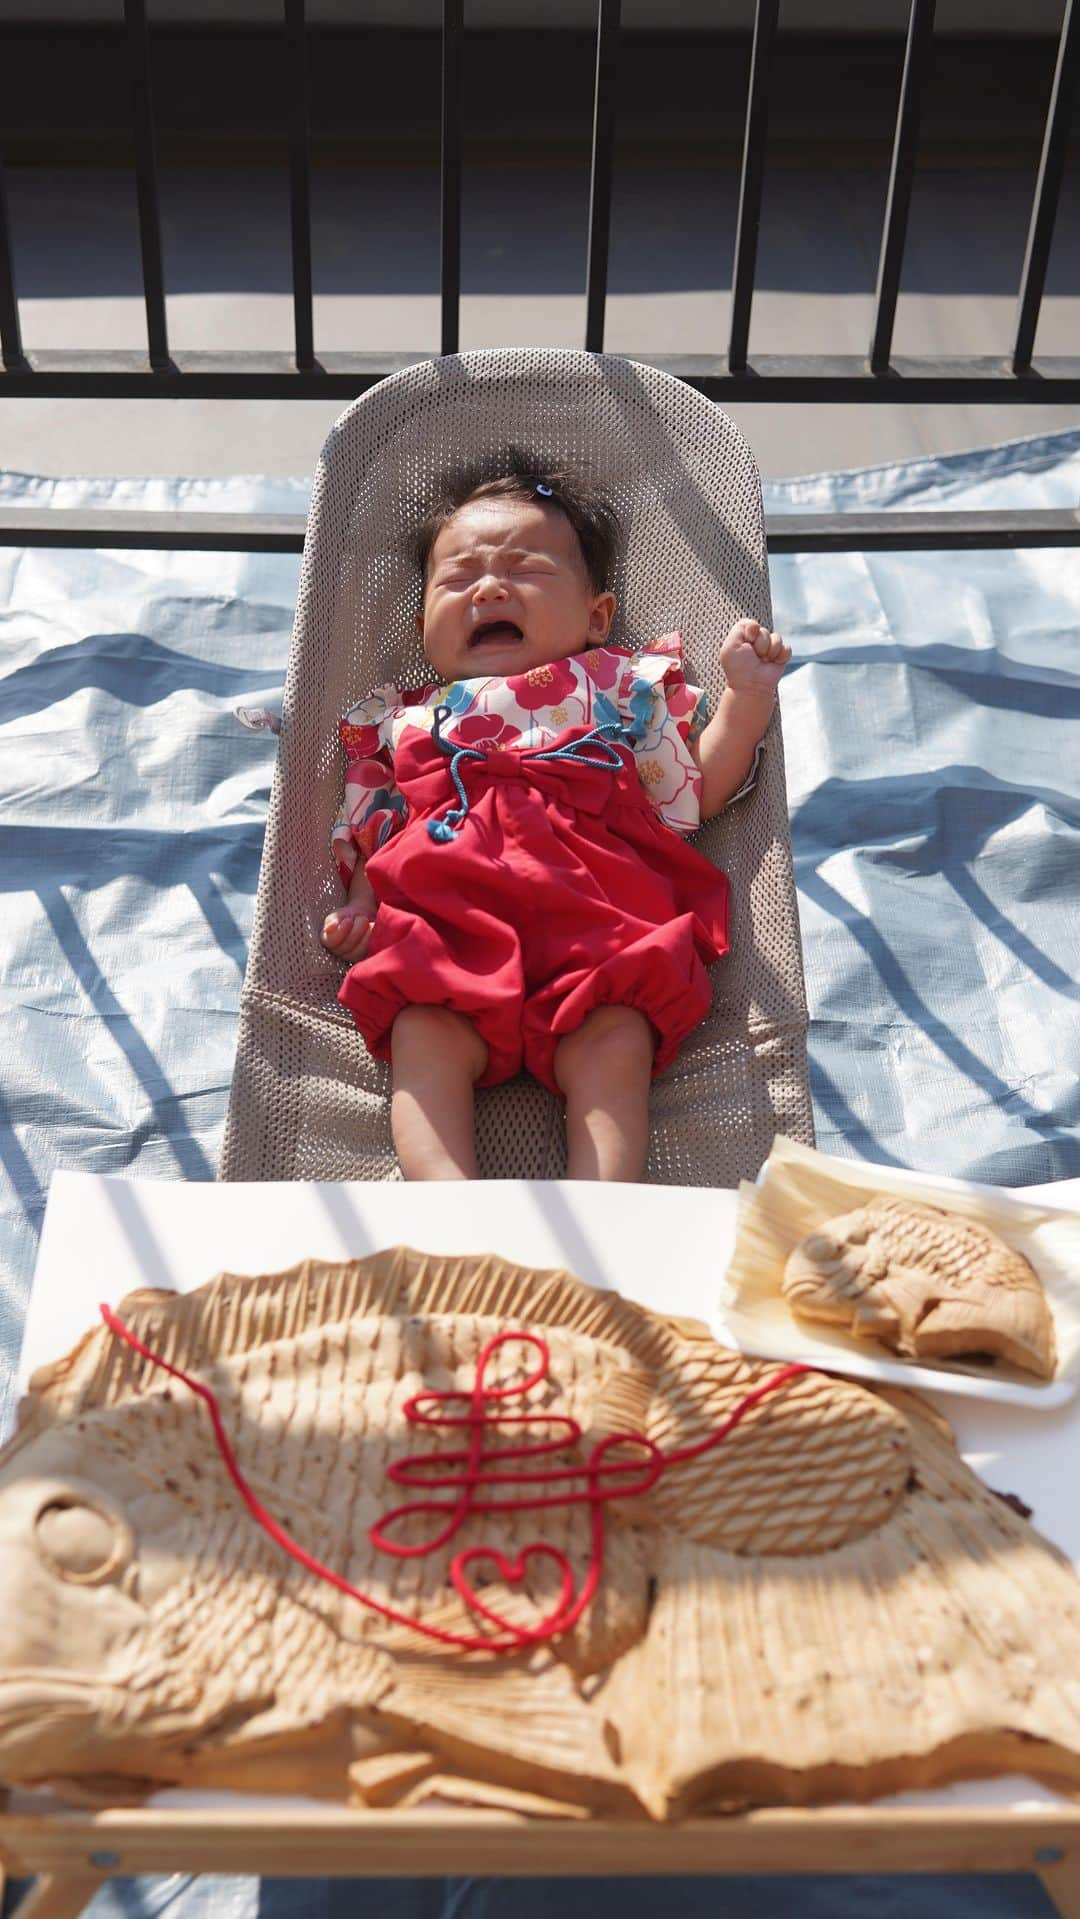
column 664, row 1247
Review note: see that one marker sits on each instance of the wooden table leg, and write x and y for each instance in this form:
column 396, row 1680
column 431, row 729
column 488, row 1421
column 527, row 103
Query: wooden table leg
column 1062, row 1883
column 57, row 1896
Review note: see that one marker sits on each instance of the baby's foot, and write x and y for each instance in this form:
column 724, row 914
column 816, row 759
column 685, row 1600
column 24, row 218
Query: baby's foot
column 753, row 658
column 346, row 933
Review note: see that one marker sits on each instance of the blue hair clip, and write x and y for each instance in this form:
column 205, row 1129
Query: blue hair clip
column 547, row 491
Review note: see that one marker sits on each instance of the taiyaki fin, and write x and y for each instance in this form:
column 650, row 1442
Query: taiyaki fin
column 237, row 1315
column 811, row 1467
column 449, row 1789
column 385, row 1777
column 947, row 1649
column 100, row 1791
column 524, row 1722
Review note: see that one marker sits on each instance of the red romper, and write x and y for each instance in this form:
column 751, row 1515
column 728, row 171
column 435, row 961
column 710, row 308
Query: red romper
column 556, row 879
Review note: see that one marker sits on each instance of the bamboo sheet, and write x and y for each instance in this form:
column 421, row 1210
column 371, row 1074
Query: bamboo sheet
column 798, row 1189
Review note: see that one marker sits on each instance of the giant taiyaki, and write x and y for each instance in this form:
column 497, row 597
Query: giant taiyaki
column 923, row 1282
column 817, row 1599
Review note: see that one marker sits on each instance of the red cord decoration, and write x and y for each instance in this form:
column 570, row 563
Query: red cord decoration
column 467, row 1471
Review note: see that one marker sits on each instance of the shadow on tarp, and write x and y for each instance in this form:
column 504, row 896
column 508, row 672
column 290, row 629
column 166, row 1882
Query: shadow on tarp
column 131, row 667
column 912, row 827
column 976, row 676
column 828, row 1098
column 155, row 858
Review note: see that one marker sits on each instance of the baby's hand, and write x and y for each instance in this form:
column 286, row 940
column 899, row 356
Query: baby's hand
column 346, row 933
column 753, row 658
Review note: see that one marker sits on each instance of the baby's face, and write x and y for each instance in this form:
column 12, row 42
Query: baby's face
column 506, row 590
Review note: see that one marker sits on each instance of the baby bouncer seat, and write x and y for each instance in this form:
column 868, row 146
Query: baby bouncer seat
column 307, row 1101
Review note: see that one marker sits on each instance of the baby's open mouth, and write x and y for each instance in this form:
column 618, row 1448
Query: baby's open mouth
column 495, row 630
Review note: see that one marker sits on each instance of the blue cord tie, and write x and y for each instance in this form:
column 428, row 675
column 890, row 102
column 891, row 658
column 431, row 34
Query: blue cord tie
column 446, row 829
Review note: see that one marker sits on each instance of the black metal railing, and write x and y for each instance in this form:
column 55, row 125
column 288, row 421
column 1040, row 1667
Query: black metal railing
column 893, row 531
column 737, row 373
column 300, row 186
column 880, row 376
column 901, row 180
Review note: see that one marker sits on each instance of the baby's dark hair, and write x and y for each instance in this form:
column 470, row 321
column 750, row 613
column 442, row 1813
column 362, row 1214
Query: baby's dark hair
column 518, row 475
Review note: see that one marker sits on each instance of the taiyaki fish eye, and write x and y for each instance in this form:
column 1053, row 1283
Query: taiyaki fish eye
column 82, row 1542
column 822, row 1247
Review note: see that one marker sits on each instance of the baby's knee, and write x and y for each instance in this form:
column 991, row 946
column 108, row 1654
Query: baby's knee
column 428, row 1035
column 612, row 1043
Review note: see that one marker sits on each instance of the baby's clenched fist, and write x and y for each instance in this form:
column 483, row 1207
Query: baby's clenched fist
column 346, row 933
column 753, row 658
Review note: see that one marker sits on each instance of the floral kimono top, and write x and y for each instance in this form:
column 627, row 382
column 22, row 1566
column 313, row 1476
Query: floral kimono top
column 645, row 691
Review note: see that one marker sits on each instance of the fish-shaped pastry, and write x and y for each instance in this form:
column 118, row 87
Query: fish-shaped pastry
column 803, row 1592
column 923, row 1282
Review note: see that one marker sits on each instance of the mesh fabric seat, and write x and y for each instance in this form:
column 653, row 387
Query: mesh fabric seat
column 307, row 1101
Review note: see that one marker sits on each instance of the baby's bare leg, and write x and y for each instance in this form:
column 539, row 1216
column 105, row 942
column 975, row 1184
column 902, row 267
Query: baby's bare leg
column 437, row 1057
column 604, row 1069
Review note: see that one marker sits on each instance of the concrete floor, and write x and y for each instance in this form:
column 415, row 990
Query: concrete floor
column 375, row 239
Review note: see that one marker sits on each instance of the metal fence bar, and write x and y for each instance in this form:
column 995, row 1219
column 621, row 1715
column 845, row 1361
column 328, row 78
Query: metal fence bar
column 299, row 181
column 828, row 378
column 777, row 378
column 904, row 531
column 11, row 350
column 750, row 183
column 453, row 29
column 1047, row 189
column 898, row 531
column 146, row 182
column 603, row 146
column 901, row 179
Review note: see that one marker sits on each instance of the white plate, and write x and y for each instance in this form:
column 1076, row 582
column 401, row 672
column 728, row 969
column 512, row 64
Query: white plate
column 776, row 1334
column 861, row 1362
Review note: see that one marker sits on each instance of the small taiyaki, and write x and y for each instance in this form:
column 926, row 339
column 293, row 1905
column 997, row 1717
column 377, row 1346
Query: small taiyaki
column 923, row 1282
column 802, row 1592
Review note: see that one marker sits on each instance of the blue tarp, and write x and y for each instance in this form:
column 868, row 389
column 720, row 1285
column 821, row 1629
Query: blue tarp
column 931, row 726
column 934, row 783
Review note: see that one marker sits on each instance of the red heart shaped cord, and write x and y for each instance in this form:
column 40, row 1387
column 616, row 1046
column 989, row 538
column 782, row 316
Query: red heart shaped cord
column 467, row 1473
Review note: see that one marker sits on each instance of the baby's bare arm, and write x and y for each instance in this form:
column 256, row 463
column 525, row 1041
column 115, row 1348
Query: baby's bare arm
column 753, row 660
column 347, row 931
